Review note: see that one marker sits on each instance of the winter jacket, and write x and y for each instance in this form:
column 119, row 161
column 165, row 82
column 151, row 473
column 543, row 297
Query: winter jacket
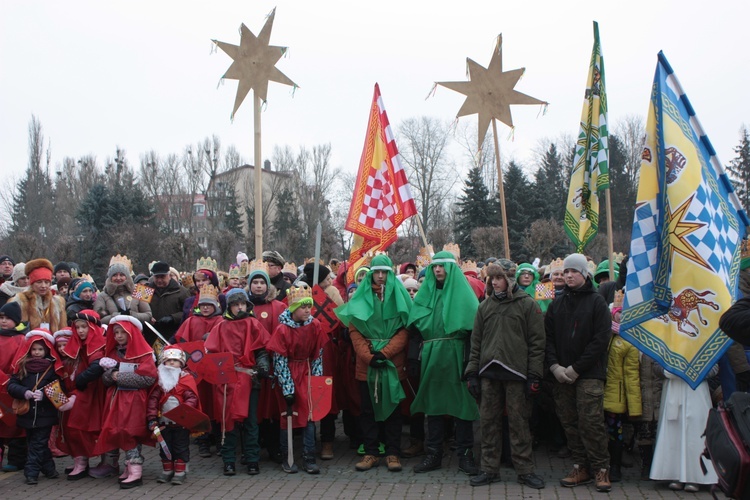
column 508, row 335
column 652, row 381
column 155, row 404
column 168, row 301
column 107, row 307
column 73, row 306
column 41, row 413
column 735, row 322
column 281, row 285
column 578, row 325
column 622, row 391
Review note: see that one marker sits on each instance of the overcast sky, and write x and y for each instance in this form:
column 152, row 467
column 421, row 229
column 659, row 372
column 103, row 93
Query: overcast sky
column 140, row 74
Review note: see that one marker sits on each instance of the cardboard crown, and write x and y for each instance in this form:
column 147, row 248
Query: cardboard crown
column 121, row 259
column 207, row 263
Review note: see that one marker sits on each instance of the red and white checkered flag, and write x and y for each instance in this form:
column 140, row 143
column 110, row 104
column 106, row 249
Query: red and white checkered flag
column 382, row 197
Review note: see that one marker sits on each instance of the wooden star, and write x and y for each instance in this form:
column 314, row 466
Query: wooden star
column 490, row 91
column 254, row 62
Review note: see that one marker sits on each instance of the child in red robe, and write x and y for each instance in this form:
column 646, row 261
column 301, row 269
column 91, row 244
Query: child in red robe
column 297, row 346
column 129, row 373
column 242, row 335
column 196, row 328
column 81, row 374
column 176, row 387
column 12, row 332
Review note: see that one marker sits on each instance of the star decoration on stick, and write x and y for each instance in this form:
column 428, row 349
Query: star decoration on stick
column 254, row 62
column 490, row 91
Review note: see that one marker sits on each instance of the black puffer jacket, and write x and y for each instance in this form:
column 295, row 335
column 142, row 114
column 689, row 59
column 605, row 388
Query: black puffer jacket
column 41, row 413
column 578, row 327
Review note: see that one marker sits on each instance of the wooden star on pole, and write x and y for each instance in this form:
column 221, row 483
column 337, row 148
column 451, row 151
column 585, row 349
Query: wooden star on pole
column 490, row 91
column 254, row 62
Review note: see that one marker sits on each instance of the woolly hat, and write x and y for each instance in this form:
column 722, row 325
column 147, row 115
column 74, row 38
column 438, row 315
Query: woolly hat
column 504, row 268
column 65, row 281
column 4, row 258
column 81, row 286
column 19, row 271
column 118, row 267
column 209, row 295
column 309, row 270
column 141, row 278
column 411, row 283
column 12, row 310
column 577, row 262
column 241, row 257
column 236, row 295
column 39, row 269
column 61, row 266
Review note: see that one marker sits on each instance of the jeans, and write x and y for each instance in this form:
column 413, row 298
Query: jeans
column 436, row 432
column 369, row 426
column 245, row 431
column 308, row 440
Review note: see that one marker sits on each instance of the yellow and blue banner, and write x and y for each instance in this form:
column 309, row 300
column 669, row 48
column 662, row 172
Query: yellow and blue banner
column 590, row 174
column 688, row 226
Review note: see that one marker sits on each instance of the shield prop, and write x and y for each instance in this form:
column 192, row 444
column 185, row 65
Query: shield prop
column 195, row 352
column 189, row 418
column 218, row 368
column 321, row 394
column 323, row 308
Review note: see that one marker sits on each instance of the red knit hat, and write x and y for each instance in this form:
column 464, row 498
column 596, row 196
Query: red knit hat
column 39, row 269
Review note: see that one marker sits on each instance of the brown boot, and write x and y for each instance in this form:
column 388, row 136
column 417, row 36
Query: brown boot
column 394, row 464
column 577, row 477
column 367, row 463
column 602, row 480
column 326, row 451
column 415, row 449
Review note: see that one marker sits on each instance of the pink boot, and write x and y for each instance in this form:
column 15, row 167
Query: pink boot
column 80, row 469
column 134, row 478
column 125, row 473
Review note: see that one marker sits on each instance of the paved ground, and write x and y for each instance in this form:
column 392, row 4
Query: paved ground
column 337, row 479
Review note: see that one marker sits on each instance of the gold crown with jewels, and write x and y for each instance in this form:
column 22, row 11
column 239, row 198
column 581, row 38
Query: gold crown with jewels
column 121, row 259
column 297, row 293
column 234, row 272
column 454, row 249
column 207, row 263
column 290, row 267
column 258, row 265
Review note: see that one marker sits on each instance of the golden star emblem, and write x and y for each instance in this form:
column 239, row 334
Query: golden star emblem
column 679, row 229
column 254, row 62
column 490, row 91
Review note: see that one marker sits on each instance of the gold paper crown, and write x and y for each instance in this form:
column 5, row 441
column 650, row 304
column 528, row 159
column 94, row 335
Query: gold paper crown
column 243, row 269
column 618, row 257
column 469, row 267
column 424, row 257
column 297, row 293
column 592, row 267
column 187, row 280
column 87, row 277
column 209, row 291
column 223, row 279
column 311, row 260
column 556, row 265
column 234, row 272
column 290, row 267
column 207, row 263
column 619, row 298
column 454, row 249
column 121, row 259
column 258, row 265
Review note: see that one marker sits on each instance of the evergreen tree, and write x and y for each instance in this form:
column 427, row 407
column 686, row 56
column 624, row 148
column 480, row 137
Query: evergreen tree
column 739, row 169
column 549, row 191
column 623, row 191
column 232, row 213
column 474, row 210
column 517, row 190
column 289, row 234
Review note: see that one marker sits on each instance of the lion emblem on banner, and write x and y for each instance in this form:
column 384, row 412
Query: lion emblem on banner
column 683, row 305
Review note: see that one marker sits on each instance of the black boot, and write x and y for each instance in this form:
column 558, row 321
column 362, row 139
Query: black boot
column 432, row 461
column 615, row 461
column 467, row 465
column 204, row 445
column 647, row 455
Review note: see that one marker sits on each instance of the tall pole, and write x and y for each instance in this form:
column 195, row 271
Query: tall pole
column 501, row 190
column 258, row 180
column 610, row 244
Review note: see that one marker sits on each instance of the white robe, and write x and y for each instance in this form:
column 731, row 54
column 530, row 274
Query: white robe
column 679, row 444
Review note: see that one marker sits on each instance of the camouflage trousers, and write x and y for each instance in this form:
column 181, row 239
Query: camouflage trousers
column 580, row 408
column 497, row 396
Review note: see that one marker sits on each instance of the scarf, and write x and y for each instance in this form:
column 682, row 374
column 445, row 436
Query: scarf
column 285, row 318
column 37, row 365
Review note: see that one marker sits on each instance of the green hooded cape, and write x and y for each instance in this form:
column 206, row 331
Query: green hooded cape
column 445, row 317
column 378, row 321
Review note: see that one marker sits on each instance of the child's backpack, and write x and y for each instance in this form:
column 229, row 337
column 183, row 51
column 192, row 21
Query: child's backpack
column 728, row 445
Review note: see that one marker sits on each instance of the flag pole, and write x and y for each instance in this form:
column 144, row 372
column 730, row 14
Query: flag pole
column 258, row 180
column 421, row 230
column 501, row 190
column 610, row 244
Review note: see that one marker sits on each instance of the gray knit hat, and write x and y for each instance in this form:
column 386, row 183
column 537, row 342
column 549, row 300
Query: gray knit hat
column 577, row 262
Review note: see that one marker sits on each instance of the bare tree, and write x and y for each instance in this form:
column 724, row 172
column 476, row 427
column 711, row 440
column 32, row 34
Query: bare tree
column 544, row 239
column 631, row 130
column 423, row 145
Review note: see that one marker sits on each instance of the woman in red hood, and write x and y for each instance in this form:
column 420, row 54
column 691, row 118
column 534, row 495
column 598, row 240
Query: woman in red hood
column 81, row 375
column 129, row 372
